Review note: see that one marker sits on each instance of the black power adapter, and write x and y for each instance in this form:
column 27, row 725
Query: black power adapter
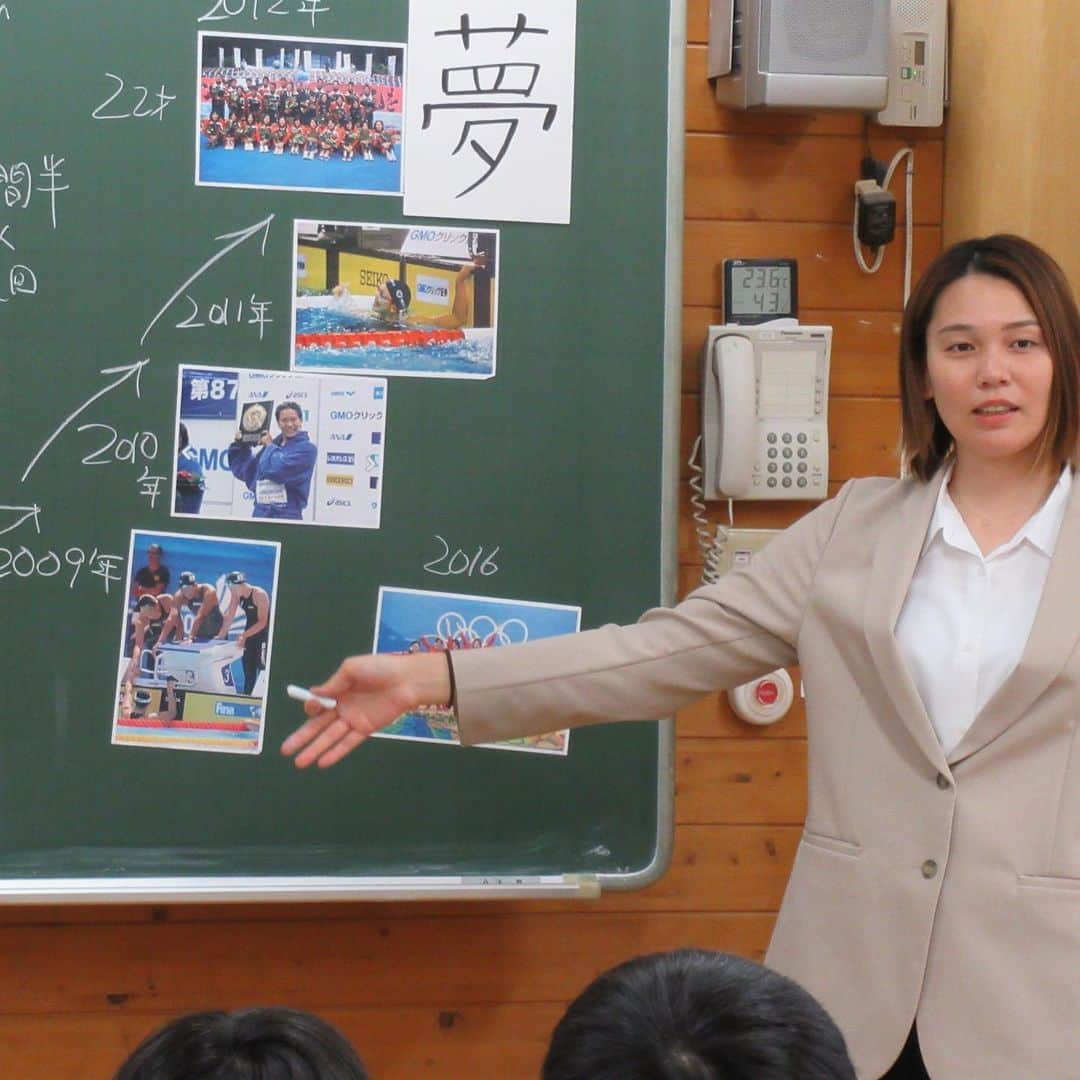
column 876, row 221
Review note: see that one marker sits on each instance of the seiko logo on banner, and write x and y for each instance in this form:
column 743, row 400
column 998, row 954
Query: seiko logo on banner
column 340, row 459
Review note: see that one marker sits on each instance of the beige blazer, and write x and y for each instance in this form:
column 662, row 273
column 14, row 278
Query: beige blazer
column 943, row 889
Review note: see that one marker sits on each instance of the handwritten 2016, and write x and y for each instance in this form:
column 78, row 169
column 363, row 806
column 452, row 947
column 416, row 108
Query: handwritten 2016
column 457, row 562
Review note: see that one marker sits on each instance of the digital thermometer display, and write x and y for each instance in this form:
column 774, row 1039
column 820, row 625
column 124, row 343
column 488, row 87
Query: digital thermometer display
column 756, row 290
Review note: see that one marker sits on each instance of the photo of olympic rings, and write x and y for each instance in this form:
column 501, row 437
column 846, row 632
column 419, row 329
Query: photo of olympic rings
column 411, row 620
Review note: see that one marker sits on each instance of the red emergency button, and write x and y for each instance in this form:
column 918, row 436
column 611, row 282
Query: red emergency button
column 767, row 692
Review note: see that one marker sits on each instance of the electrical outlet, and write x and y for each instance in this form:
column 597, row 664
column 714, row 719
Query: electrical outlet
column 741, row 545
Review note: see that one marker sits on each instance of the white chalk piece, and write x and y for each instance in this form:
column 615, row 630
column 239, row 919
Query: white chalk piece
column 301, row 693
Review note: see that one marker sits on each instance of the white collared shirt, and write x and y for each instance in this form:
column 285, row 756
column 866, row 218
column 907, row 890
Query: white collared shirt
column 967, row 617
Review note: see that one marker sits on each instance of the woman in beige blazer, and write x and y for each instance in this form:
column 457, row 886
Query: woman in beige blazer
column 937, row 884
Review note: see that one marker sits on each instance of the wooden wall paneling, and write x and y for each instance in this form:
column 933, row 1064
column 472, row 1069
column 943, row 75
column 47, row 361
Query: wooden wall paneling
column 1013, row 152
column 785, row 178
column 407, row 962
column 741, row 781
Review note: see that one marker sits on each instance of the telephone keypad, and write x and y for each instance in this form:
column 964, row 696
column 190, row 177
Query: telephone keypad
column 791, row 464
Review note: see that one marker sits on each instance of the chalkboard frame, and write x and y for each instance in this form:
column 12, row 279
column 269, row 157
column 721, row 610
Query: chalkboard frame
column 148, row 887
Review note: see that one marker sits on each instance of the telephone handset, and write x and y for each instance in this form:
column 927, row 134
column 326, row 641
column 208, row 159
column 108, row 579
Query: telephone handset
column 764, row 404
column 732, row 363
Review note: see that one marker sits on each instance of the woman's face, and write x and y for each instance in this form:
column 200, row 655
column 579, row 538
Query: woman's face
column 988, row 370
column 289, row 422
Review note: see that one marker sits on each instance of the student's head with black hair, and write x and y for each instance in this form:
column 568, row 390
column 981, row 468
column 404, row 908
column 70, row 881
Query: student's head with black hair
column 693, row 1014
column 251, row 1044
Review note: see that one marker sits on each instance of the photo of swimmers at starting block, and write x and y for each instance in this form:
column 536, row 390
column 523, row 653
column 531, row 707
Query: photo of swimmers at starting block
column 195, row 646
column 413, row 620
column 393, row 300
column 299, row 113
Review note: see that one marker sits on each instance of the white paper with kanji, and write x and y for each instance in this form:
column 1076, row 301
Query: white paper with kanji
column 489, row 109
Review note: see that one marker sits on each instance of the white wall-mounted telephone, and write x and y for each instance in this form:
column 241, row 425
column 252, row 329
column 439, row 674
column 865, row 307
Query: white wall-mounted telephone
column 764, row 398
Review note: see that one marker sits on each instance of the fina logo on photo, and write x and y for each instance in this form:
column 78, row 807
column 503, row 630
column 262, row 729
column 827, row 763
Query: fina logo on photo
column 342, row 393
column 340, row 459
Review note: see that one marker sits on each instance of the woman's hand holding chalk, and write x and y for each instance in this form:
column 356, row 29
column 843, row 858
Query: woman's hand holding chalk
column 301, row 693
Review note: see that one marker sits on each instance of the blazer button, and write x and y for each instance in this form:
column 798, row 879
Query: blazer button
column 943, row 782
column 929, row 868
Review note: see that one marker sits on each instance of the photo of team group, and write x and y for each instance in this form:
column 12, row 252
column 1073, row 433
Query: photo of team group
column 414, row 620
column 282, row 448
column 319, row 115
column 394, row 300
column 195, row 642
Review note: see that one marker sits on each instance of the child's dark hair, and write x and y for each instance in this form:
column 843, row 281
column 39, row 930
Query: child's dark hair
column 251, row 1044
column 694, row 1014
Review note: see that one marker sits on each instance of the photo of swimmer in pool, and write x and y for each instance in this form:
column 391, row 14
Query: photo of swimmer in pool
column 299, row 113
column 194, row 664
column 394, row 300
column 280, row 448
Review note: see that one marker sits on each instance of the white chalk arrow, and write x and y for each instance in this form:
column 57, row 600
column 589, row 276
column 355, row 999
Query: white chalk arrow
column 26, row 511
column 125, row 372
column 237, row 238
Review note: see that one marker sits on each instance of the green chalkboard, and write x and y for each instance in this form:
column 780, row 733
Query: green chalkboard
column 117, row 268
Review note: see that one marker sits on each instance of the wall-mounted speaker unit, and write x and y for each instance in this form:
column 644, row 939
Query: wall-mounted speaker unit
column 800, row 54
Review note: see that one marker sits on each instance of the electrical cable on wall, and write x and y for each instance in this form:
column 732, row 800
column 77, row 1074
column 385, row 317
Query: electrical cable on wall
column 711, row 539
column 869, row 191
